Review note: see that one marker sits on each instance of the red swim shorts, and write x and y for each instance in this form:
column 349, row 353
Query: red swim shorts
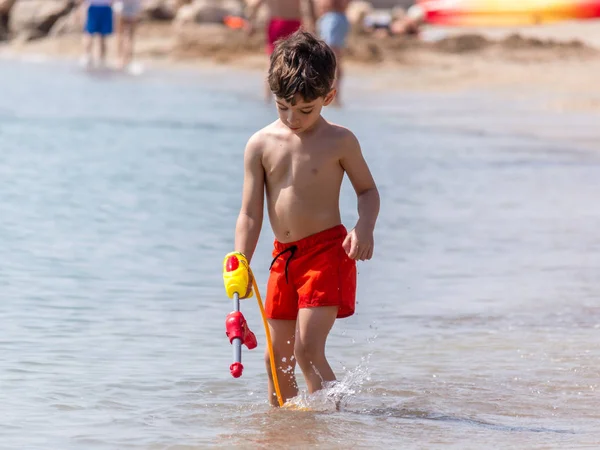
column 280, row 29
column 314, row 271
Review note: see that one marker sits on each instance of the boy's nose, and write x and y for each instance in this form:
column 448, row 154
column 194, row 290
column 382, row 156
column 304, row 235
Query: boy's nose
column 292, row 118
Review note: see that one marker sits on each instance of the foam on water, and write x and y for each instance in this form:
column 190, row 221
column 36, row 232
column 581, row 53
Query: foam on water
column 334, row 394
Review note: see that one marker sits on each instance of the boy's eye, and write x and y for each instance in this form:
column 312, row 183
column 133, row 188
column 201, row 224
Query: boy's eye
column 307, row 112
column 283, row 108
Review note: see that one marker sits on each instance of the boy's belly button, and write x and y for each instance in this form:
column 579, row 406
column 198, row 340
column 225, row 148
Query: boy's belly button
column 287, row 234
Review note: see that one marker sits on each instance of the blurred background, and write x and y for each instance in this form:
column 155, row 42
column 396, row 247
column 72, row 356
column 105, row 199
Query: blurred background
column 478, row 318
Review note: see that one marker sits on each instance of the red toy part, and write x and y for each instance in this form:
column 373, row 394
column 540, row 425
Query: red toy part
column 232, row 263
column 236, row 327
column 236, row 369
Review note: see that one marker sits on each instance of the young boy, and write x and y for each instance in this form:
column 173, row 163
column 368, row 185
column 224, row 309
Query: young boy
column 333, row 28
column 300, row 160
column 285, row 18
column 99, row 22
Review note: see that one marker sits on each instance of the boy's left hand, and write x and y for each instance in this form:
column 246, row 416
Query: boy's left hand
column 359, row 244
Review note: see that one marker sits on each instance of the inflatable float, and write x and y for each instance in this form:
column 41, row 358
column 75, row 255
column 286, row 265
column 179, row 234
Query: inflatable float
column 504, row 12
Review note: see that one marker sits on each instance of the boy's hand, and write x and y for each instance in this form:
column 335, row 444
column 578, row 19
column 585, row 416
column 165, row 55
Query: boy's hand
column 359, row 244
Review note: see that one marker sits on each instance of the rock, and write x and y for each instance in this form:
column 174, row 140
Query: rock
column 162, row 10
column 207, row 11
column 69, row 24
column 214, row 41
column 463, row 43
column 185, row 15
column 389, row 4
column 33, row 19
column 357, row 11
column 7, row 5
column 5, row 12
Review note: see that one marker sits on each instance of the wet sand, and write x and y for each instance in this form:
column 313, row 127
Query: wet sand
column 559, row 62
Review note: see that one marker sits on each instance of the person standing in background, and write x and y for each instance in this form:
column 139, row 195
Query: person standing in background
column 127, row 15
column 99, row 22
column 285, row 18
column 333, row 27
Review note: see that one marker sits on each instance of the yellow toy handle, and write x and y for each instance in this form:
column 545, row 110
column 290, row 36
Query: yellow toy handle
column 237, row 275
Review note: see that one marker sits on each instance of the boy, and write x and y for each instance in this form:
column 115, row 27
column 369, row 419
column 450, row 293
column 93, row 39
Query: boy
column 300, row 160
column 99, row 22
column 333, row 28
column 285, row 18
column 128, row 11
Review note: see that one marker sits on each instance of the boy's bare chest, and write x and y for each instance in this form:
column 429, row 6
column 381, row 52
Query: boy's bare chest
column 298, row 165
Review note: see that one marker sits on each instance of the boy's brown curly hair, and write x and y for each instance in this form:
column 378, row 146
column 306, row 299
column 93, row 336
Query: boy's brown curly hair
column 301, row 64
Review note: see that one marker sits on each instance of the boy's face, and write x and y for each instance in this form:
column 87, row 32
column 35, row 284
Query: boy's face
column 302, row 115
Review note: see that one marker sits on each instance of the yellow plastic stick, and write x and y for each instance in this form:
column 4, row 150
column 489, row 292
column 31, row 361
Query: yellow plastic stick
column 269, row 343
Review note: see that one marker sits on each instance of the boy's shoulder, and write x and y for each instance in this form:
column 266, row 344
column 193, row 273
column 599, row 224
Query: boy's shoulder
column 338, row 135
column 267, row 132
column 341, row 136
column 338, row 131
column 257, row 141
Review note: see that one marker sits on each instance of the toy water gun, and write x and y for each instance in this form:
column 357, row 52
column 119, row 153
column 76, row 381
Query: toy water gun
column 237, row 276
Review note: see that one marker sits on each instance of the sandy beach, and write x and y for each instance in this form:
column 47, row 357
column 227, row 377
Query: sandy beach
column 558, row 61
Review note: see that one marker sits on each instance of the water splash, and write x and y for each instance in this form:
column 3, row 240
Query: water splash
column 335, row 394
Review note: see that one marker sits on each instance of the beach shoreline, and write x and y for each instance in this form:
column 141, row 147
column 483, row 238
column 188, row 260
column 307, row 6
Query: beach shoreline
column 560, row 61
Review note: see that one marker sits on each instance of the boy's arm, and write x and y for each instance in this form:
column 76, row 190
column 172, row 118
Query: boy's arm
column 359, row 242
column 249, row 222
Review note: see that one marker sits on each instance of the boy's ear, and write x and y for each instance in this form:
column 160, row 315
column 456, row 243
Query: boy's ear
column 329, row 97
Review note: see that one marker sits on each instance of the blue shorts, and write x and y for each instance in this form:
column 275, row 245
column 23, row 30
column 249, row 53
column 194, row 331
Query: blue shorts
column 333, row 28
column 99, row 20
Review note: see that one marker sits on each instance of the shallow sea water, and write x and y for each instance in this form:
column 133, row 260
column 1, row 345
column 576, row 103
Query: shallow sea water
column 478, row 322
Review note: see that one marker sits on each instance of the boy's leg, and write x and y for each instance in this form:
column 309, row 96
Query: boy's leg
column 314, row 325
column 87, row 49
column 130, row 40
column 282, row 336
column 102, row 49
column 120, row 35
column 90, row 29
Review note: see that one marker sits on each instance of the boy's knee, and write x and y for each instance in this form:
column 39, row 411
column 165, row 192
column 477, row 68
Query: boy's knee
column 283, row 364
column 306, row 352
